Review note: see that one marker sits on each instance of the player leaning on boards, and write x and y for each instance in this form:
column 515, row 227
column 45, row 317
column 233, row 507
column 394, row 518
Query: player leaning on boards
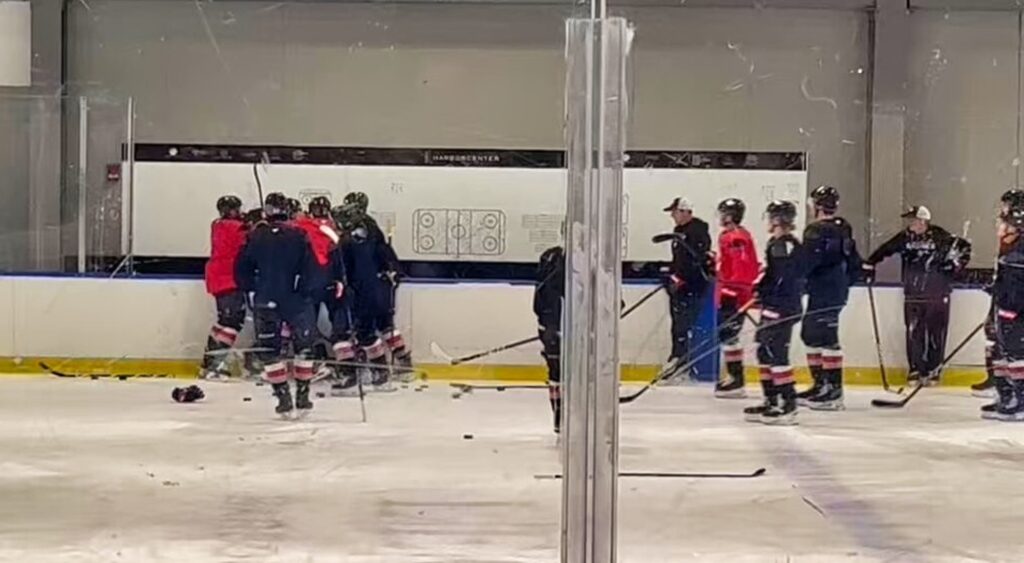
column 687, row 280
column 931, row 256
column 832, row 265
column 737, row 270
column 227, row 237
column 778, row 292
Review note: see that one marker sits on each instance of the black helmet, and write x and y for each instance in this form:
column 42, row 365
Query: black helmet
column 294, row 207
column 826, row 198
column 229, row 205
column 320, row 207
column 275, row 206
column 733, row 209
column 346, row 216
column 781, row 212
column 1013, row 198
column 359, row 199
column 1014, row 218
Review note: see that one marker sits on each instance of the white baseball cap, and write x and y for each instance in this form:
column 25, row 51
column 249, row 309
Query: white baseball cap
column 680, row 203
column 917, row 212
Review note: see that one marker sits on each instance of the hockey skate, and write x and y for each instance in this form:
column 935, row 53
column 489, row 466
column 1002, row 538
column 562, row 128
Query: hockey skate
column 1004, row 394
column 1012, row 410
column 673, row 372
column 284, row 400
column 346, row 383
column 379, row 376
column 783, row 414
column 830, row 399
column 986, row 389
column 219, row 372
column 804, row 397
column 401, row 365
column 757, row 412
column 302, row 402
column 729, row 387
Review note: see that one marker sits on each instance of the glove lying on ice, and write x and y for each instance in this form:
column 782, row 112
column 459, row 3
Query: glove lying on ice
column 189, row 394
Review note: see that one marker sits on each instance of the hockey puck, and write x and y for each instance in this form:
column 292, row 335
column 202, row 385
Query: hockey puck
column 122, row 377
column 456, row 395
column 320, row 395
column 418, row 389
column 94, row 377
column 246, row 399
column 467, row 436
column 501, row 388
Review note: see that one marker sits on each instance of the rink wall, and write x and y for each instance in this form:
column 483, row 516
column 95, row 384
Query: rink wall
column 160, row 326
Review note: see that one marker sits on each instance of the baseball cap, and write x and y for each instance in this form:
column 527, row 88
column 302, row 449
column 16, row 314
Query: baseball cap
column 917, row 212
column 680, row 203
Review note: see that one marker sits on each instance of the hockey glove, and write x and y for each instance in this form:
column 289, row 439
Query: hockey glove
column 189, row 394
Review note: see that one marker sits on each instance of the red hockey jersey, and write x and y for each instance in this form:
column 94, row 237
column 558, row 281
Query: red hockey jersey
column 738, row 267
column 321, row 235
column 227, row 237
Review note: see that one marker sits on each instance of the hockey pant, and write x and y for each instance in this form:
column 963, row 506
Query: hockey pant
column 551, row 341
column 927, row 321
column 820, row 333
column 302, row 324
column 684, row 308
column 773, row 340
column 223, row 333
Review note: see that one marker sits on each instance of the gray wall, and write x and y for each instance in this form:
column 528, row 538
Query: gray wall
column 476, row 75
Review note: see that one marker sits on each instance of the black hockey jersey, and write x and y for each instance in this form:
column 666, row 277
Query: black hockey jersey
column 1008, row 289
column 832, row 263
column 370, row 265
column 691, row 263
column 276, row 263
column 780, row 286
column 926, row 264
column 550, row 288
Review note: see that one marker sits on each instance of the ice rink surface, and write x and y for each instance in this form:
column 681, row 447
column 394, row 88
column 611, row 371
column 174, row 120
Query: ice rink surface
column 115, row 471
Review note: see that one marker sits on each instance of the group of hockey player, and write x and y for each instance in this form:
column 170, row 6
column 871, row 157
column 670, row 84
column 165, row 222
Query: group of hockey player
column 823, row 266
column 286, row 266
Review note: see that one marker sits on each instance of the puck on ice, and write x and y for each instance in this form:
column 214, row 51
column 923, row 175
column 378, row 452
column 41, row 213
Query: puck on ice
column 467, row 436
column 320, row 395
column 246, row 399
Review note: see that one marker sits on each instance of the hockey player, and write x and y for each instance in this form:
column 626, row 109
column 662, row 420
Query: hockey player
column 275, row 268
column 687, row 281
column 832, row 265
column 227, row 237
column 737, row 270
column 547, row 305
column 1008, row 296
column 778, row 293
column 930, row 258
column 372, row 269
column 995, row 364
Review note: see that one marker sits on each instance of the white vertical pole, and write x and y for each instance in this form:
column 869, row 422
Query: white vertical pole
column 596, row 51
column 83, row 179
column 130, row 165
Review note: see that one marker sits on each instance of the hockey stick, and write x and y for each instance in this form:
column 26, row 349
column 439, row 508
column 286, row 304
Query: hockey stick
column 878, row 340
column 885, row 404
column 672, row 475
column 714, row 349
column 256, row 174
column 469, row 388
column 119, row 376
column 439, row 352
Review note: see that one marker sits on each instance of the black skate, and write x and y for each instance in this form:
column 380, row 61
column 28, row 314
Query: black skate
column 284, row 399
column 986, row 389
column 754, row 414
column 730, row 385
column 783, row 414
column 380, row 380
column 346, row 383
column 913, row 378
column 302, row 402
column 1004, row 394
column 803, row 397
column 1013, row 409
column 401, row 363
column 215, row 371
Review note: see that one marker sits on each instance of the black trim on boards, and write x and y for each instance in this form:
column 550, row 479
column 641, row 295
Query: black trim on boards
column 488, row 158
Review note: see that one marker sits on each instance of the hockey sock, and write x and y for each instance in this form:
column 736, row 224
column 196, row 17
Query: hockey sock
column 768, row 386
column 783, row 381
column 733, row 354
column 275, row 373
column 303, row 368
column 832, row 369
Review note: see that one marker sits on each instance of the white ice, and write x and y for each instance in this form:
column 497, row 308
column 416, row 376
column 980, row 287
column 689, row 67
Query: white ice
column 115, row 471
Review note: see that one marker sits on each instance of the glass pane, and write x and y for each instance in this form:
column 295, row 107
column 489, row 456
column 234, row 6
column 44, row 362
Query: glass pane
column 432, row 431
